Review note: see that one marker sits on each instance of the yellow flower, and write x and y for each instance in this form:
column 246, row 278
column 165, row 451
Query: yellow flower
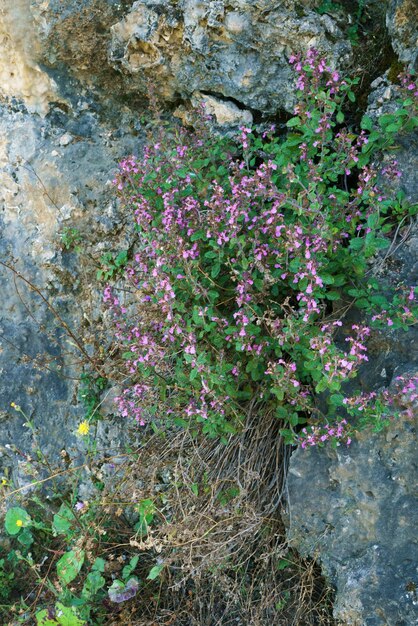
column 19, row 523
column 4, row 481
column 83, row 428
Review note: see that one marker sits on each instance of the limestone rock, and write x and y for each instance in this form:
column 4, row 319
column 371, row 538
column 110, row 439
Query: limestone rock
column 384, row 98
column 65, row 139
column 356, row 508
column 402, row 24
column 225, row 113
column 44, row 188
column 235, row 49
column 20, row 74
column 362, row 523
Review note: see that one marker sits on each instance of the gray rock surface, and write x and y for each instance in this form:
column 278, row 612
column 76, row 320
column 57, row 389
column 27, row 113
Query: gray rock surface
column 361, row 522
column 402, row 24
column 356, row 508
column 236, row 49
column 48, row 185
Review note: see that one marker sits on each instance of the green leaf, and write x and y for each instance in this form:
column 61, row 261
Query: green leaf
column 333, row 295
column 94, row 582
column 367, row 123
column 294, row 265
column 194, row 374
column 99, row 565
column 128, row 569
column 25, row 538
column 215, row 270
column 362, row 303
column 381, row 243
column 63, row 520
column 293, row 419
column 288, row 435
column 279, row 393
column 69, row 565
column 356, row 293
column 321, row 386
column 379, row 300
column 327, row 279
column 16, row 519
column 281, row 412
column 283, row 564
column 337, row 399
column 122, row 258
column 155, row 572
column 199, row 234
column 64, row 616
column 295, row 121
column 340, row 117
column 357, row 243
column 392, row 128
column 373, row 220
column 386, row 119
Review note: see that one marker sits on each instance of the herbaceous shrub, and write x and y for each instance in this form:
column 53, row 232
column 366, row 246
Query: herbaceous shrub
column 245, row 258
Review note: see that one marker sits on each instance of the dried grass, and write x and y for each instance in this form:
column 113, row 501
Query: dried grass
column 221, row 533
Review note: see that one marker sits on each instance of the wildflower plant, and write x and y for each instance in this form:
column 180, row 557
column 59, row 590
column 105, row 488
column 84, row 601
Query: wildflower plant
column 245, row 258
column 67, row 552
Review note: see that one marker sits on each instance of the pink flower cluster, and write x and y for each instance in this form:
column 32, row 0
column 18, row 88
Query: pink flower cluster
column 409, row 85
column 318, row 68
column 317, row 435
column 337, row 365
column 227, row 291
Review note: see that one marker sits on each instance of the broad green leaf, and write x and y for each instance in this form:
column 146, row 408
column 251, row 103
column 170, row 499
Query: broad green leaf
column 99, row 564
column 94, row 582
column 69, row 565
column 366, row 123
column 64, row 616
column 155, row 572
column 357, row 243
column 327, row 279
column 337, row 399
column 295, row 121
column 63, row 519
column 128, row 569
column 25, row 538
column 333, row 295
column 373, row 220
column 16, row 519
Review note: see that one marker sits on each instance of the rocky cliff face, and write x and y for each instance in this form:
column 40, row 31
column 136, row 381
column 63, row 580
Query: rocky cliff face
column 214, row 47
column 74, row 76
column 402, row 24
column 356, row 507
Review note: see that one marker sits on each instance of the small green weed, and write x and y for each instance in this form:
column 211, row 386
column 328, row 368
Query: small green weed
column 71, row 238
column 89, row 394
column 112, row 265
